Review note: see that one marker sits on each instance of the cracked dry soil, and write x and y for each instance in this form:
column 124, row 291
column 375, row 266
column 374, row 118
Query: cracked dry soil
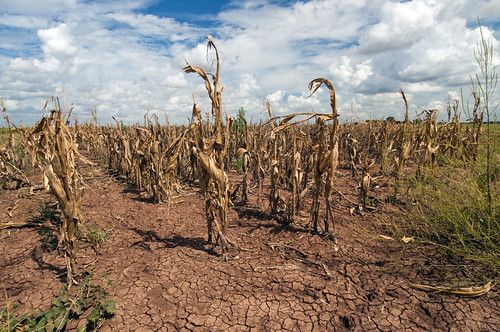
column 163, row 276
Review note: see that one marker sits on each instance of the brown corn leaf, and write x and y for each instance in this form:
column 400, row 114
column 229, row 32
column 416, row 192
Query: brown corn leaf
column 473, row 291
column 407, row 239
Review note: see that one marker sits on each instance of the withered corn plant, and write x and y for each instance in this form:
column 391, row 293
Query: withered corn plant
column 403, row 146
column 473, row 132
column 429, row 144
column 386, row 144
column 14, row 155
column 366, row 179
column 239, row 153
column 147, row 156
column 258, row 156
column 285, row 167
column 56, row 156
column 244, row 155
column 327, row 159
column 276, row 203
column 296, row 175
column 209, row 149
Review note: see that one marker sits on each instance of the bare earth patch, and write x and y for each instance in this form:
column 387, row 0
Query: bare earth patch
column 164, row 277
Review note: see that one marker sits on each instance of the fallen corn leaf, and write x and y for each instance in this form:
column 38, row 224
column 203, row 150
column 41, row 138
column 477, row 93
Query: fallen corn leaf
column 408, row 239
column 385, row 237
column 473, row 291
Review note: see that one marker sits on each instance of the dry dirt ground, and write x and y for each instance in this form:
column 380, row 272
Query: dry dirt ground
column 163, row 276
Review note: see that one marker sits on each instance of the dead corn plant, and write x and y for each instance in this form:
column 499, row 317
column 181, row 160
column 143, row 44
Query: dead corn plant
column 209, row 148
column 285, row 166
column 403, row 147
column 327, row 159
column 276, row 203
column 14, row 155
column 148, row 157
column 472, row 133
column 56, row 156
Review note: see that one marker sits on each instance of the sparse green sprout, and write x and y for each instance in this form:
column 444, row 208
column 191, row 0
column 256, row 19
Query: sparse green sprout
column 95, row 235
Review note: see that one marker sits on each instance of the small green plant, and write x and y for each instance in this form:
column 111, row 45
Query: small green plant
column 95, row 236
column 237, row 163
column 87, row 302
column 240, row 133
column 240, row 123
column 369, row 201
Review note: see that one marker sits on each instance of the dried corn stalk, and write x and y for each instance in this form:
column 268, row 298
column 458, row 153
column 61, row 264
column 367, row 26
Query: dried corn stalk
column 13, row 155
column 209, row 149
column 275, row 201
column 327, row 159
column 404, row 146
column 56, row 157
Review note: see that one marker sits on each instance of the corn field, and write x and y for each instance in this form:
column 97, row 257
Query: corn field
column 296, row 156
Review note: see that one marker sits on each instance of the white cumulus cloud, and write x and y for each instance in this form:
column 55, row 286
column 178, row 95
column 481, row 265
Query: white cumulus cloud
column 116, row 56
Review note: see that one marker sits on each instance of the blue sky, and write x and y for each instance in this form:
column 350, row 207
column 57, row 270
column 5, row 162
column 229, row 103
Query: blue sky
column 125, row 57
column 202, row 12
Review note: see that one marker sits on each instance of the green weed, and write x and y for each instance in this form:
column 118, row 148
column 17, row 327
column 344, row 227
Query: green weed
column 87, row 302
column 95, row 236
